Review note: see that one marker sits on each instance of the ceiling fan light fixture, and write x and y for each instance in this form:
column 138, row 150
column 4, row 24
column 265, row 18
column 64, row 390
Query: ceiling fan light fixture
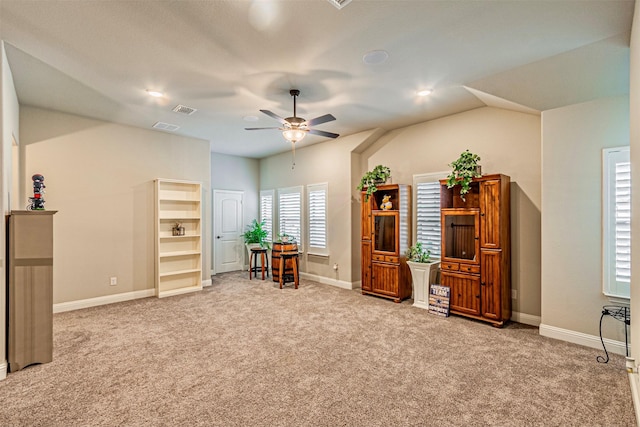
column 293, row 135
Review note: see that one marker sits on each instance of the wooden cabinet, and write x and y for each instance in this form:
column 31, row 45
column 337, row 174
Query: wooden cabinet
column 30, row 289
column 386, row 235
column 476, row 248
column 178, row 249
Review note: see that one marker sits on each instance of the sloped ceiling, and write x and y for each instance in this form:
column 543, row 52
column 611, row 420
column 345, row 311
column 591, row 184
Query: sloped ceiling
column 229, row 59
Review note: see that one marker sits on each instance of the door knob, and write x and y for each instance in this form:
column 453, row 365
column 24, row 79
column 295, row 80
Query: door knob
column 218, row 237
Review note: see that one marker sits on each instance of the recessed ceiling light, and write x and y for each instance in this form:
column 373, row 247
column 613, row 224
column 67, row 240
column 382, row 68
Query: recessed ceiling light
column 424, row 92
column 250, row 118
column 375, row 57
column 155, row 93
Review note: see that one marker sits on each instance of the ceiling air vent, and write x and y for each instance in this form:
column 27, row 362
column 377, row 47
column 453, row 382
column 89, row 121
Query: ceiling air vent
column 339, row 3
column 183, row 109
column 166, row 126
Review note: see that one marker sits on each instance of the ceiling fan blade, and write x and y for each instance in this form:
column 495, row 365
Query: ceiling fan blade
column 319, row 120
column 260, row 128
column 275, row 116
column 323, row 133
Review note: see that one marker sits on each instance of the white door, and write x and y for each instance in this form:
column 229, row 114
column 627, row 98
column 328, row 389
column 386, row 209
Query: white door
column 228, row 244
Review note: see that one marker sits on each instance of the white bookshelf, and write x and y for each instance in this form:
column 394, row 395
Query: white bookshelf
column 178, row 258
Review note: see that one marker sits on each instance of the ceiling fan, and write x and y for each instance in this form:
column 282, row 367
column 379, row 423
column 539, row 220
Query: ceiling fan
column 295, row 128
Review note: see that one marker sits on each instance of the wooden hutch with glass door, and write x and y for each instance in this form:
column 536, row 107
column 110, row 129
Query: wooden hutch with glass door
column 476, row 248
column 386, row 235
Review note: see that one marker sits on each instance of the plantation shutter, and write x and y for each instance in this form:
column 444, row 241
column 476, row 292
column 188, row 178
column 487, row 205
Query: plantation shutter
column 428, row 216
column 290, row 213
column 266, row 212
column 623, row 221
column 317, row 208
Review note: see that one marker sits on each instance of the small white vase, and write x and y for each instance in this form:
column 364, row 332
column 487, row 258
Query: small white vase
column 423, row 274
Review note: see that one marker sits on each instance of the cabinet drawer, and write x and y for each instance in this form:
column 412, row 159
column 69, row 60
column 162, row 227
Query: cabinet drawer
column 467, row 268
column 449, row 266
column 377, row 257
column 392, row 259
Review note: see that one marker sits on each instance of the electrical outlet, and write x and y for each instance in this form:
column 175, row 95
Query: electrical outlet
column 114, row 281
column 514, row 294
column 335, row 266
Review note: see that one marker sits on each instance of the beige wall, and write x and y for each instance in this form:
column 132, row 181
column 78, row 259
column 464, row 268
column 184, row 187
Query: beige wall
column 99, row 177
column 9, row 126
column 507, row 142
column 572, row 142
column 634, row 93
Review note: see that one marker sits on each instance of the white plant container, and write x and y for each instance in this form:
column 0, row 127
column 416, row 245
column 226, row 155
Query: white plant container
column 423, row 274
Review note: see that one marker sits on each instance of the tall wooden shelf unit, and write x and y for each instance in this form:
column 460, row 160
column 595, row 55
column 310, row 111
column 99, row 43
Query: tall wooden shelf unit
column 476, row 248
column 178, row 266
column 30, row 288
column 386, row 235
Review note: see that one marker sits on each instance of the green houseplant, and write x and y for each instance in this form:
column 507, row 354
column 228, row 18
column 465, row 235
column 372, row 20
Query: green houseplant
column 417, row 253
column 377, row 175
column 464, row 169
column 424, row 271
column 256, row 233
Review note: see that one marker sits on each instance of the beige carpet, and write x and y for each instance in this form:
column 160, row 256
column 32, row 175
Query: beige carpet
column 245, row 353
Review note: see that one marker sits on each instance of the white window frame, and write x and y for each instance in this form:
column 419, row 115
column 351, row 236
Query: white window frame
column 300, row 234
column 267, row 215
column 614, row 284
column 321, row 225
column 419, row 179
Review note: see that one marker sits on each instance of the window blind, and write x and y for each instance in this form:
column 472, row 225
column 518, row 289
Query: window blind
column 266, row 212
column 317, row 208
column 428, row 216
column 623, row 221
column 290, row 213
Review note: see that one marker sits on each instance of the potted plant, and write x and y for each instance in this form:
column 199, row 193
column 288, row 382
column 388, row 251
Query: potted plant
column 378, row 175
column 256, row 235
column 465, row 168
column 424, row 271
column 286, row 238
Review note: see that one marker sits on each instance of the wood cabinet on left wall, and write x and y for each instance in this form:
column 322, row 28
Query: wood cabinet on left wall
column 178, row 246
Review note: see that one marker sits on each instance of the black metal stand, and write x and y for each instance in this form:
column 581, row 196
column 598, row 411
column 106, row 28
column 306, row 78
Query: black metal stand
column 618, row 312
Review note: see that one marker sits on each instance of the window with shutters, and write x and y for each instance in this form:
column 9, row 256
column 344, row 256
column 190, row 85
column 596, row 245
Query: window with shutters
column 616, row 215
column 290, row 213
column 427, row 210
column 266, row 212
column 317, row 214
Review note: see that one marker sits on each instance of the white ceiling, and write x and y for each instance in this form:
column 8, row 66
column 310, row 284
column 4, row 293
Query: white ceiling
column 231, row 58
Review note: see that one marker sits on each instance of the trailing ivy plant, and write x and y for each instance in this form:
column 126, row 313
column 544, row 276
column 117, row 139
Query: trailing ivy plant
column 378, row 175
column 465, row 168
column 417, row 253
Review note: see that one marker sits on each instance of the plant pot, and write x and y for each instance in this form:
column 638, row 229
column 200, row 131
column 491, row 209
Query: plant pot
column 423, row 274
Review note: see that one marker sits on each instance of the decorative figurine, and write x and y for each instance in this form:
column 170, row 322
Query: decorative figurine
column 386, row 203
column 36, row 203
column 178, row 230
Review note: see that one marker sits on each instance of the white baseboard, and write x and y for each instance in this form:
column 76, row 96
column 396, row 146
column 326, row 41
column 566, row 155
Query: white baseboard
column 527, row 319
column 328, row 281
column 4, row 367
column 586, row 340
column 206, row 282
column 108, row 299
column 634, row 383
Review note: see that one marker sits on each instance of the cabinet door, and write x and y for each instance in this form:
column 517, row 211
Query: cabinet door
column 365, row 217
column 384, row 278
column 491, row 283
column 385, row 233
column 366, row 265
column 490, row 214
column 465, row 292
